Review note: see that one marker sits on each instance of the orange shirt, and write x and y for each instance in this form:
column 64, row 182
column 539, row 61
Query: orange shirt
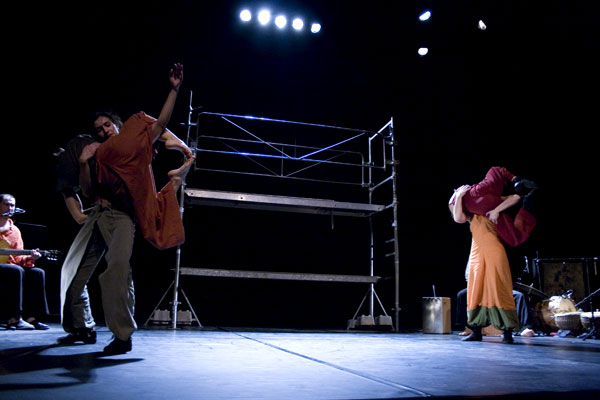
column 12, row 236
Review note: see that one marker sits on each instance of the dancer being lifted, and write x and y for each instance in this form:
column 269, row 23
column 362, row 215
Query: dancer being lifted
column 125, row 171
column 123, row 191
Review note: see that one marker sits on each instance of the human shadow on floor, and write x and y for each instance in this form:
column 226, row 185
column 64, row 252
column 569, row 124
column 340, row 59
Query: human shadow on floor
column 81, row 367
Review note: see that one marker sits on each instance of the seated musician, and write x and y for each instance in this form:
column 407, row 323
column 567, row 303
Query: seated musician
column 22, row 285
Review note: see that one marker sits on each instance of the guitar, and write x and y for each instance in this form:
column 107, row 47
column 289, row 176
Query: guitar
column 6, row 251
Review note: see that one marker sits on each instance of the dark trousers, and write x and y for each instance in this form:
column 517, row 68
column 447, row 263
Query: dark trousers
column 520, row 302
column 22, row 292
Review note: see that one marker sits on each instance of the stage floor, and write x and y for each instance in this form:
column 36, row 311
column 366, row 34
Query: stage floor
column 216, row 363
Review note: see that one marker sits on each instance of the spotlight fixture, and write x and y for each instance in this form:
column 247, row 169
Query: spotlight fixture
column 297, row 24
column 423, row 51
column 245, row 15
column 281, row 21
column 264, row 17
column 425, row 16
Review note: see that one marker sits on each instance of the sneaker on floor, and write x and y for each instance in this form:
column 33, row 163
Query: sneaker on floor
column 39, row 326
column 118, row 346
column 85, row 335
column 20, row 325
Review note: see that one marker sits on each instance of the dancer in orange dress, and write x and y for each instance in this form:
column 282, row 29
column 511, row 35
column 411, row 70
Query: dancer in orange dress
column 489, row 284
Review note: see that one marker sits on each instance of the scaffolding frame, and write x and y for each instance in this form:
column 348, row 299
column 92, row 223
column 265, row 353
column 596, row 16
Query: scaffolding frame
column 376, row 165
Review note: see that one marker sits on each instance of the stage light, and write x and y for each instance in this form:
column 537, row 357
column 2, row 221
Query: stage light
column 264, row 16
column 245, row 15
column 423, row 51
column 425, row 16
column 297, row 24
column 481, row 25
column 280, row 21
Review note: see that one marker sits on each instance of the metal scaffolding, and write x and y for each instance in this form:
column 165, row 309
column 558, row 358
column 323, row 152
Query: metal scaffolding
column 258, row 147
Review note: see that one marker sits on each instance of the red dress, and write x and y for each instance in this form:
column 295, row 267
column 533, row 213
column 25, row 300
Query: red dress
column 125, row 168
column 486, row 195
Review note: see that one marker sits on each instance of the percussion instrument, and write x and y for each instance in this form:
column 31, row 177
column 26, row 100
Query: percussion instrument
column 545, row 311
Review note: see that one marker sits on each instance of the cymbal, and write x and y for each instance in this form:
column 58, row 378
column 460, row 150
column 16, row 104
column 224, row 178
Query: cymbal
column 529, row 290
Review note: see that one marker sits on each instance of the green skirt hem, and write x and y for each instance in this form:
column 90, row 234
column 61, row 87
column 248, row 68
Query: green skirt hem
column 497, row 317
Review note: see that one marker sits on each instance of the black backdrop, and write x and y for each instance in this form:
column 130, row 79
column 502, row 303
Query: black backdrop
column 521, row 94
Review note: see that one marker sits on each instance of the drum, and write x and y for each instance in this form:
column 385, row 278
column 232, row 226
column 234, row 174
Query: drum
column 586, row 320
column 545, row 312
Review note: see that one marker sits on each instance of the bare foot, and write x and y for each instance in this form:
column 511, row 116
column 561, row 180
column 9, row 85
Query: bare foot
column 172, row 142
column 528, row 332
column 177, row 176
column 466, row 332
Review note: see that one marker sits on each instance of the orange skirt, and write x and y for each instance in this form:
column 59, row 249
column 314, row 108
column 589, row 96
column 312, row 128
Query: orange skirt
column 489, row 286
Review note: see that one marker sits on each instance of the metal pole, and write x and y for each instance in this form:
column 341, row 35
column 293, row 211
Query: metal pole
column 395, row 226
column 177, row 265
column 175, row 304
column 372, row 239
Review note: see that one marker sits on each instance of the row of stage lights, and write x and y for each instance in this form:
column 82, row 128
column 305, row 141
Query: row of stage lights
column 426, row 16
column 264, row 18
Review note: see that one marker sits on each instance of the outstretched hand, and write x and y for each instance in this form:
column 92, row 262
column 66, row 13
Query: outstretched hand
column 176, row 76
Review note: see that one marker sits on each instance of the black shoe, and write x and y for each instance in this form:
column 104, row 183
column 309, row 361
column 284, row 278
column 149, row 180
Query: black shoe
column 118, row 346
column 530, row 201
column 85, row 335
column 20, row 325
column 475, row 335
column 507, row 337
column 524, row 186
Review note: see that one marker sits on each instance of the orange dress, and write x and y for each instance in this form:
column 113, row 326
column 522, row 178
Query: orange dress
column 489, row 285
column 124, row 165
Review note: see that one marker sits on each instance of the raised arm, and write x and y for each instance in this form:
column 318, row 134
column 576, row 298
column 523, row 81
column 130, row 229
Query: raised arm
column 159, row 129
column 175, row 79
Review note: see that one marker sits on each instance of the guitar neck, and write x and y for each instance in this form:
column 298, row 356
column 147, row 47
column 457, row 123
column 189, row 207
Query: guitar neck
column 20, row 252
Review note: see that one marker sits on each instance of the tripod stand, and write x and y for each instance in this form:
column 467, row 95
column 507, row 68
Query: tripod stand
column 175, row 284
column 593, row 332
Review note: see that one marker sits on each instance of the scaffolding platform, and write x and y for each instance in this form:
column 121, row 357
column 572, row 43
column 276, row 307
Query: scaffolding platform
column 280, row 203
